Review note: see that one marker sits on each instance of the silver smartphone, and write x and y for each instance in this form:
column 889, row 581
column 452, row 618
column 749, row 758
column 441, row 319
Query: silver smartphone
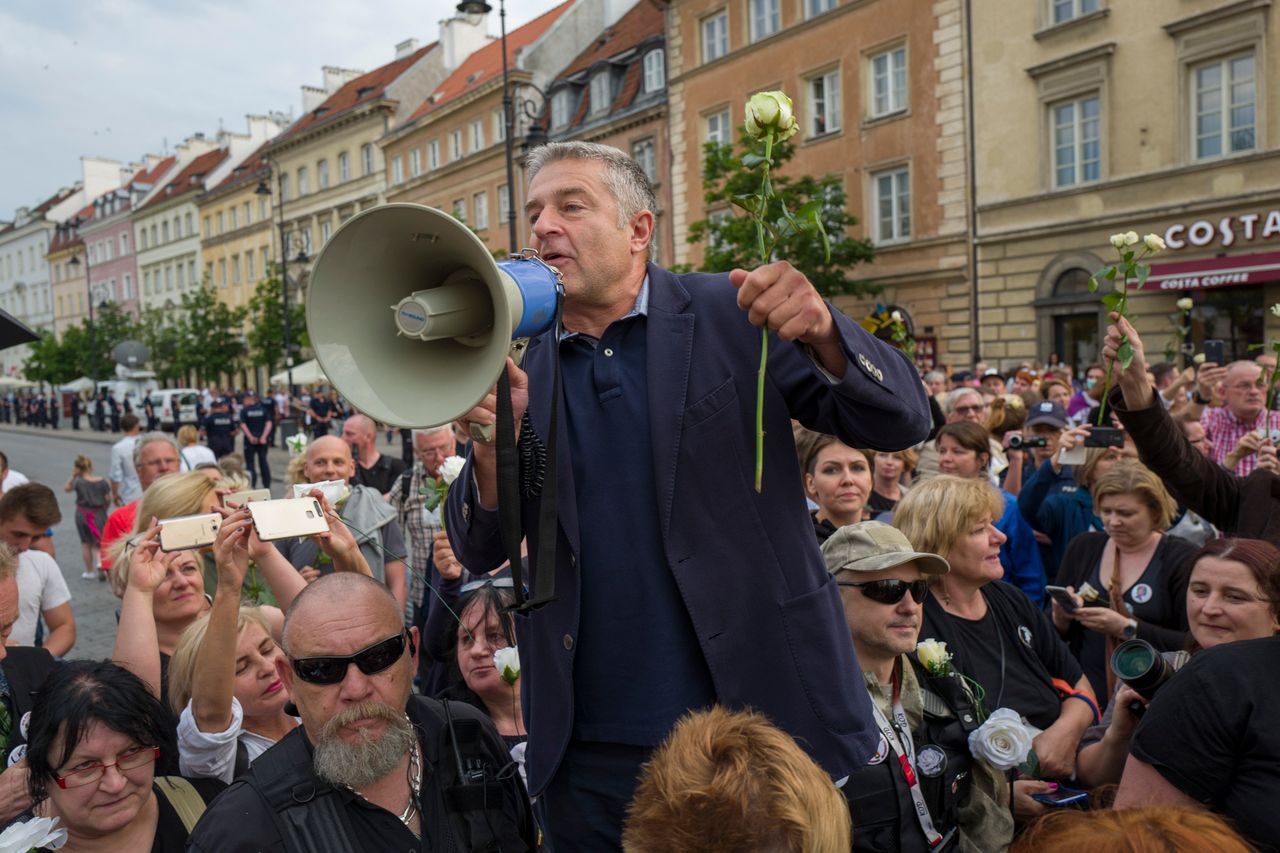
column 287, row 518
column 235, row 500
column 185, row 532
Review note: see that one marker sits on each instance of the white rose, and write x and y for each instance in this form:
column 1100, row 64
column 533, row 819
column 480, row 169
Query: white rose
column 1275, row 309
column 1154, row 243
column 766, row 110
column 1198, row 358
column 933, row 655
column 1185, row 304
column 35, row 833
column 1131, row 238
column 450, row 469
column 1002, row 741
column 1117, row 240
column 507, row 663
column 896, row 316
column 296, row 443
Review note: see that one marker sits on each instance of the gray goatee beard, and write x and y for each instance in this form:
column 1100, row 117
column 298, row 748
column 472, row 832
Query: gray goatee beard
column 371, row 758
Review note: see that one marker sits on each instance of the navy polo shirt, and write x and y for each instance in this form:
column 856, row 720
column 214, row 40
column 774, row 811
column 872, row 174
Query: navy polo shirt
column 219, row 427
column 638, row 665
column 255, row 417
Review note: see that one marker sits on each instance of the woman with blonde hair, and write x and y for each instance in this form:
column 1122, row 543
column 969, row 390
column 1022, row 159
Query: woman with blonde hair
column 1132, row 575
column 891, row 475
column 190, row 451
column 93, row 496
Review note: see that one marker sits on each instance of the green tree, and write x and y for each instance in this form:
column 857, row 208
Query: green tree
column 211, row 344
column 266, row 325
column 163, row 338
column 55, row 361
column 730, row 241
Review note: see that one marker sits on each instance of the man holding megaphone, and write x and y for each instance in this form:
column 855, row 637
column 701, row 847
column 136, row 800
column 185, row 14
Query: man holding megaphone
column 677, row 585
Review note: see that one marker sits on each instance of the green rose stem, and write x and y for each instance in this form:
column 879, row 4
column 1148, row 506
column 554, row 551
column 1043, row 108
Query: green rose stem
column 766, row 191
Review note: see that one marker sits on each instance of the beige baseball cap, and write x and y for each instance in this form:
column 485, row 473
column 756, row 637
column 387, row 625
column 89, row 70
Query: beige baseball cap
column 873, row 546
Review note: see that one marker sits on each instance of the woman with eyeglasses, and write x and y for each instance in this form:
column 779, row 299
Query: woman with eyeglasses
column 997, row 636
column 96, row 733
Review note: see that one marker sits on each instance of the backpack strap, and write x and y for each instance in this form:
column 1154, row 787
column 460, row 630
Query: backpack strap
column 242, row 760
column 307, row 813
column 184, row 798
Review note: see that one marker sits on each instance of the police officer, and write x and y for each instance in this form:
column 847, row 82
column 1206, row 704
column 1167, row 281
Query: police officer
column 256, row 424
column 113, row 409
column 910, row 795
column 149, row 409
column 219, row 428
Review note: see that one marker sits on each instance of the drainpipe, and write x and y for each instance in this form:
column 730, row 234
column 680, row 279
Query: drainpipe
column 974, row 335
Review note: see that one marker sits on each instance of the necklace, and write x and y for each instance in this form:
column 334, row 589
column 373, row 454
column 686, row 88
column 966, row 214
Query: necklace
column 415, row 784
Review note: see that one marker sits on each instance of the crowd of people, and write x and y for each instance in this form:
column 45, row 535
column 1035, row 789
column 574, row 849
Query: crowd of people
column 919, row 633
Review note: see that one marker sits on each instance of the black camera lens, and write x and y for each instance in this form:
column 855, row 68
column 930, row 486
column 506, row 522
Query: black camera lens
column 1139, row 665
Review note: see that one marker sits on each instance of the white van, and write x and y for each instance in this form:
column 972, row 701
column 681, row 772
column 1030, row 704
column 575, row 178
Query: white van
column 176, row 406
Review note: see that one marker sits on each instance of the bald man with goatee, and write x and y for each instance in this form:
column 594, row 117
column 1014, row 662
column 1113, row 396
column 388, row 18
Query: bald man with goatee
column 373, row 469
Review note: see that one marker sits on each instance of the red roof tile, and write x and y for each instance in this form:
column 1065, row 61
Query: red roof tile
column 149, row 176
column 645, row 20
column 191, row 177
column 486, row 63
column 365, row 88
column 254, row 164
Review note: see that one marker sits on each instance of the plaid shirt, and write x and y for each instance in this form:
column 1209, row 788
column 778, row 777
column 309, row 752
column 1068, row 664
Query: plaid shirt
column 1224, row 431
column 419, row 524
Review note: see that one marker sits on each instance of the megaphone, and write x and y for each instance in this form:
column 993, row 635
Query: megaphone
column 412, row 319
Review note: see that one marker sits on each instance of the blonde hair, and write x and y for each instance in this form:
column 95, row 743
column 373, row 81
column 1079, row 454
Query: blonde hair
column 187, row 435
column 730, row 780
column 182, row 665
column 1131, row 477
column 293, row 473
column 1083, row 473
column 8, row 562
column 169, row 496
column 83, row 464
column 936, row 513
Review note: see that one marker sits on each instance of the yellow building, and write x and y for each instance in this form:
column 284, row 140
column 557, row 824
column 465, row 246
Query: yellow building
column 69, row 280
column 237, row 227
column 1097, row 116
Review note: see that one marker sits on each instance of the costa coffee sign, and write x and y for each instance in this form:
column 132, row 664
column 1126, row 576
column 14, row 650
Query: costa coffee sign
column 1208, row 273
column 1227, row 231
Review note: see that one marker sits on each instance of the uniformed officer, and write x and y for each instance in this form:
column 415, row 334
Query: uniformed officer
column 219, row 428
column 256, row 424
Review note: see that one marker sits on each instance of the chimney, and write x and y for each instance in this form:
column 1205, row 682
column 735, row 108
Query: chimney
column 312, row 97
column 335, row 78
column 462, row 36
column 406, row 47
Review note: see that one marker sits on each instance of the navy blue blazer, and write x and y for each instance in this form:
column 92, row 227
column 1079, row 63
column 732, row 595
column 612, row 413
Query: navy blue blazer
column 767, row 615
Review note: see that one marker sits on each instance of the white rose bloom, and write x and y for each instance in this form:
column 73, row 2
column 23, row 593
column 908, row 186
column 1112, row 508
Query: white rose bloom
column 1131, row 238
column 36, row 833
column 1275, row 309
column 451, row 468
column 774, row 110
column 1185, row 304
column 933, row 654
column 1002, row 741
column 1154, row 243
column 1198, row 358
column 1117, row 240
column 507, row 663
column 896, row 316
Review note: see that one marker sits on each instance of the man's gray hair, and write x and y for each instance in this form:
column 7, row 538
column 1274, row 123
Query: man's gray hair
column 429, row 431
column 623, row 177
column 954, row 397
column 151, row 438
column 935, row 374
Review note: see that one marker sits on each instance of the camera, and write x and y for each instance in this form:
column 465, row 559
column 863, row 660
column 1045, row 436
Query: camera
column 1017, row 442
column 1139, row 665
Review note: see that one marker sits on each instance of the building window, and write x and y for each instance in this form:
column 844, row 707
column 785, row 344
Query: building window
column 235, row 270
column 655, row 70
column 234, row 216
column 601, row 92
column 715, row 36
column 644, row 153
column 250, row 273
column 893, row 205
column 191, row 271
column 718, row 130
column 344, row 167
column 265, row 262
column 433, row 154
column 164, row 230
column 1069, row 10
column 366, row 158
column 146, row 281
column 765, row 17
column 477, row 135
column 284, row 187
column 460, row 209
column 1077, row 149
column 415, row 162
column 480, row 209
column 124, row 245
column 263, row 209
column 1225, row 106
column 189, row 226
column 306, row 239
column 562, row 104
column 181, row 282
column 208, row 275
column 504, row 204
column 824, row 103
column 499, row 127
column 455, row 145
column 128, row 287
column 304, row 181
column 322, row 174
column 326, row 229
column 814, row 8
column 397, row 170
column 222, row 273
column 889, row 82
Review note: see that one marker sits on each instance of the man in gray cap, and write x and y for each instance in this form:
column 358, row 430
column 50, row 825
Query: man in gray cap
column 922, row 790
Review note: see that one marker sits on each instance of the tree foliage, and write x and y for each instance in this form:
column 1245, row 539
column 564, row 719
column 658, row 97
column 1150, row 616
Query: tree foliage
column 81, row 352
column 266, row 325
column 211, row 333
column 730, row 241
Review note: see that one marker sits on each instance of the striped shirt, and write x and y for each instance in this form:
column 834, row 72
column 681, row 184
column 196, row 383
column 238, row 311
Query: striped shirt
column 420, row 525
column 1224, row 431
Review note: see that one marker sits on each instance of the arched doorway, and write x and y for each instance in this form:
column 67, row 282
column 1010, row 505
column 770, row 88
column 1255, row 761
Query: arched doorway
column 1069, row 317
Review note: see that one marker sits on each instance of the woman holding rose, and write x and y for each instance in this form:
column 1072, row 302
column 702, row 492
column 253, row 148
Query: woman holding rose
column 996, row 635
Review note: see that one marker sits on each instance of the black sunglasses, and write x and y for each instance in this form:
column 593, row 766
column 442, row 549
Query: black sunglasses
column 890, row 591
column 370, row 660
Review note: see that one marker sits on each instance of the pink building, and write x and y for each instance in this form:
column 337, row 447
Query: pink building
column 108, row 238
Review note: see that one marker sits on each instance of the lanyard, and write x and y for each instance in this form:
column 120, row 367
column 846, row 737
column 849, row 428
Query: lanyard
column 898, row 736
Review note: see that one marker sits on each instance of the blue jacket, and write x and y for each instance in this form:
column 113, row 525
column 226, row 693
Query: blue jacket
column 767, row 615
column 1020, row 555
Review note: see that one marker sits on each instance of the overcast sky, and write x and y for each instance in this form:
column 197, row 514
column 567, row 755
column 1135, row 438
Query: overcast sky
column 119, row 78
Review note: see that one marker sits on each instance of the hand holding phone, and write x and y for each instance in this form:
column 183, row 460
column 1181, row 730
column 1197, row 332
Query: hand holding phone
column 1215, row 351
column 287, row 518
column 1104, row 437
column 1063, row 798
column 1063, row 596
column 235, row 500
column 188, row 532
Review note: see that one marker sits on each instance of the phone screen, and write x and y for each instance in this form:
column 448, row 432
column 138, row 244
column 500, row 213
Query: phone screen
column 1063, row 797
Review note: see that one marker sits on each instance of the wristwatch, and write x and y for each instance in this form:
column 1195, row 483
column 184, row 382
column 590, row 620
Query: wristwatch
column 1130, row 629
column 1199, row 398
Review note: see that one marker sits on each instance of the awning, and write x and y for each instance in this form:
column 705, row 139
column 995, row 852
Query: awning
column 1207, row 273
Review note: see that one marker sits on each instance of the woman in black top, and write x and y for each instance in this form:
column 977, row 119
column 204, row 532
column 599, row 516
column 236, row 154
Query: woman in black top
column 1146, row 597
column 892, row 469
column 997, row 636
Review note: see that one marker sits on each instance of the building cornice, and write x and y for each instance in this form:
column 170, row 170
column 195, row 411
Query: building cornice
column 359, row 114
column 1213, row 15
column 1070, row 61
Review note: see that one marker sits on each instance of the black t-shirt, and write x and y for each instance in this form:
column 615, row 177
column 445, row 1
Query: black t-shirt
column 1013, row 652
column 219, row 426
column 255, row 417
column 381, row 475
column 321, row 407
column 878, row 503
column 1211, row 733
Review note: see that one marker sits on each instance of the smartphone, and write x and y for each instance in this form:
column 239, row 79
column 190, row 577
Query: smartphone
column 1215, row 351
column 287, row 518
column 1075, row 456
column 235, row 500
column 185, row 532
column 1104, row 437
column 1063, row 596
column 1063, row 798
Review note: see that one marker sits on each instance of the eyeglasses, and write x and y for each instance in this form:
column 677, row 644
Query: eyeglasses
column 128, row 760
column 496, row 583
column 370, row 660
column 969, row 410
column 890, row 591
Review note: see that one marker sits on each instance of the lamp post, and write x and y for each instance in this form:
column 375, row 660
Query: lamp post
column 264, row 189
column 479, row 7
column 93, row 348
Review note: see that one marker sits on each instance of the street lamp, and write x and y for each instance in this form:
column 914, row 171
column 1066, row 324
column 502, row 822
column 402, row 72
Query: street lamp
column 93, row 348
column 264, row 189
column 479, row 7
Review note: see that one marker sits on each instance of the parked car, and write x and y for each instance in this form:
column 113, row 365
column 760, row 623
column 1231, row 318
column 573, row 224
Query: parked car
column 176, row 406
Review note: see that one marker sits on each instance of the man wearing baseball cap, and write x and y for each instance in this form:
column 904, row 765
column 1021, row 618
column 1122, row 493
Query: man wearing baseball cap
column 1038, row 442
column 922, row 790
